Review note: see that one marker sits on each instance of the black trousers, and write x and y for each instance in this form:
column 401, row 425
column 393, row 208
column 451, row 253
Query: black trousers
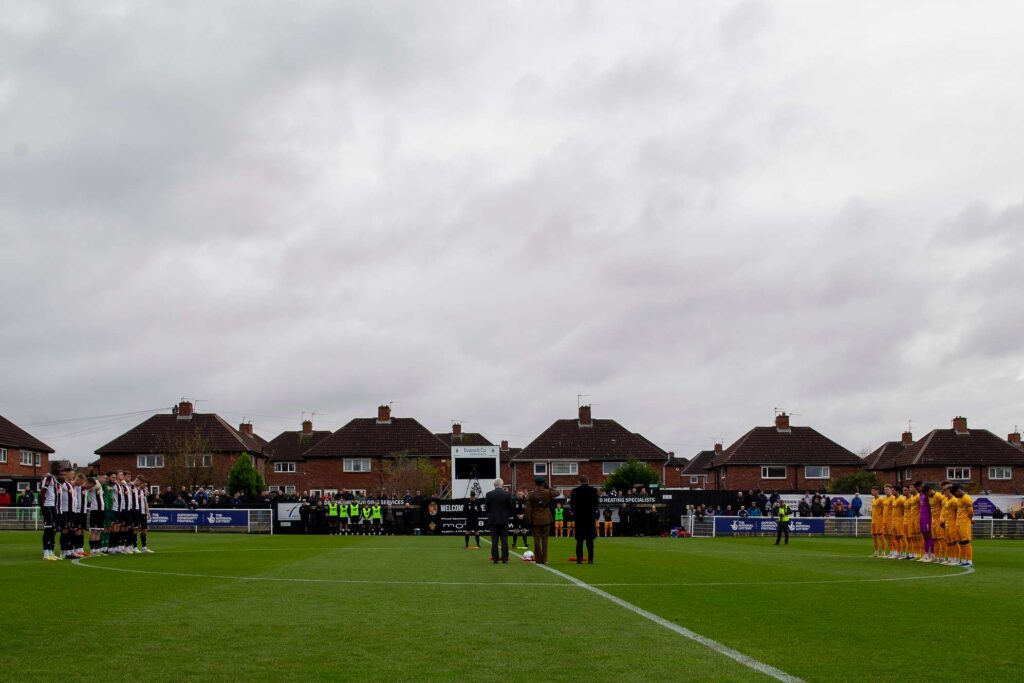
column 499, row 532
column 783, row 529
column 579, row 548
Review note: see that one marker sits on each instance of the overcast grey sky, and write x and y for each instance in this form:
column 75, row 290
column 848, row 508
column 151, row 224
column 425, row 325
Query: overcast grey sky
column 692, row 212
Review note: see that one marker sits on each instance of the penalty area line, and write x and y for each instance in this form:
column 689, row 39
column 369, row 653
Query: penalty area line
column 718, row 647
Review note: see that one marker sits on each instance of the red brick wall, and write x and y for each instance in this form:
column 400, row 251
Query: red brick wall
column 746, row 477
column 14, row 468
column 594, row 470
column 160, row 476
column 328, row 473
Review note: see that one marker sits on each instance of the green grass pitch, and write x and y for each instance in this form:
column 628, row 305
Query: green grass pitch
column 235, row 607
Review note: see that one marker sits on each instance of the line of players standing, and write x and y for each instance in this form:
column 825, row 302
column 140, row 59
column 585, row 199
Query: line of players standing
column 113, row 507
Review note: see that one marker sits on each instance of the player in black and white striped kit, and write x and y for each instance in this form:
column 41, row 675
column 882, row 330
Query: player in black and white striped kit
column 96, row 507
column 48, row 502
column 142, row 513
column 65, row 496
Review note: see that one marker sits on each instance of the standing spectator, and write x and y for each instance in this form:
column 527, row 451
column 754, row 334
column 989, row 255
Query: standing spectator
column 743, row 512
column 804, row 507
column 583, row 502
column 168, row 497
column 5, row 498
column 857, row 503
column 499, row 513
column 816, row 506
column 826, row 504
column 762, row 500
column 755, row 512
column 201, row 498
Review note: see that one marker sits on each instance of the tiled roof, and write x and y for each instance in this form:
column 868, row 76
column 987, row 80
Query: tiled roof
column 161, row 432
column 946, row 447
column 699, row 462
column 509, row 455
column 795, row 446
column 883, row 457
column 675, row 461
column 13, row 436
column 464, row 439
column 603, row 440
column 292, row 445
column 368, row 438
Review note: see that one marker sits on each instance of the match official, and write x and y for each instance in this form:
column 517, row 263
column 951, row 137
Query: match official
column 499, row 512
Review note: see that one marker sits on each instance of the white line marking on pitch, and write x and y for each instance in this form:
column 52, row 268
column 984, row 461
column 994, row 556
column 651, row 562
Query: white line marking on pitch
column 966, row 570
column 79, row 563
column 718, row 647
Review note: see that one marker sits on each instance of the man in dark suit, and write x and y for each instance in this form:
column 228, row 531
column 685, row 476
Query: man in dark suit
column 584, row 503
column 499, row 512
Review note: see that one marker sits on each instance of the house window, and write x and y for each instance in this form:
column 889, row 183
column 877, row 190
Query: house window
column 147, row 462
column 694, row 479
column 284, row 467
column 564, row 468
column 815, row 472
column 154, row 490
column 773, row 471
column 331, row 493
column 3, row 456
column 908, row 474
column 39, row 459
column 273, row 488
column 26, row 458
column 1000, row 472
column 204, row 460
column 958, row 473
column 289, row 489
column 610, row 467
column 357, row 465
column 24, row 486
column 540, row 469
column 315, row 493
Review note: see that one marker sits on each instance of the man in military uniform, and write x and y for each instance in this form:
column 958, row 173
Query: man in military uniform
column 783, row 522
column 538, row 514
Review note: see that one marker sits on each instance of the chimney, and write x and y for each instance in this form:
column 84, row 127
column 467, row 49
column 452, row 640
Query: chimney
column 908, row 439
column 718, row 449
column 782, row 422
column 960, row 424
column 245, row 428
column 384, row 415
column 585, row 420
column 185, row 410
column 1014, row 439
column 307, row 426
column 504, row 444
column 456, row 429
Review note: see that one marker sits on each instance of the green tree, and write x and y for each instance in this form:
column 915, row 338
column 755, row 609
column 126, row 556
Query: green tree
column 858, row 481
column 245, row 478
column 631, row 473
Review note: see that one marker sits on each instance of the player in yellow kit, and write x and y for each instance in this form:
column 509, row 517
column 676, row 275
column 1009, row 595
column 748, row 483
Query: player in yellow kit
column 913, row 517
column 898, row 509
column 935, row 500
column 949, row 525
column 877, row 523
column 889, row 519
column 964, row 521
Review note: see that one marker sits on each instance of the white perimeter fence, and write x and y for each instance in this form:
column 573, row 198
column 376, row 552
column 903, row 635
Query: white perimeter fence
column 255, row 521
column 711, row 527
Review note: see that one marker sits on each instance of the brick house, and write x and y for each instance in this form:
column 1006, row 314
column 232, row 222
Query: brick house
column 287, row 468
column 357, row 455
column 182, row 448
column 882, row 460
column 24, row 459
column 694, row 475
column 506, row 454
column 569, row 448
column 975, row 458
column 782, row 458
column 673, row 472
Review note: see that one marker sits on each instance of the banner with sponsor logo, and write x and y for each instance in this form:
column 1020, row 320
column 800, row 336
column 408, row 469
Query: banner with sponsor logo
column 214, row 518
column 732, row 526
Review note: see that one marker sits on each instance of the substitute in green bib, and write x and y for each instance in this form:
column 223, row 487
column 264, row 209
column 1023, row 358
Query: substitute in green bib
column 375, row 515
